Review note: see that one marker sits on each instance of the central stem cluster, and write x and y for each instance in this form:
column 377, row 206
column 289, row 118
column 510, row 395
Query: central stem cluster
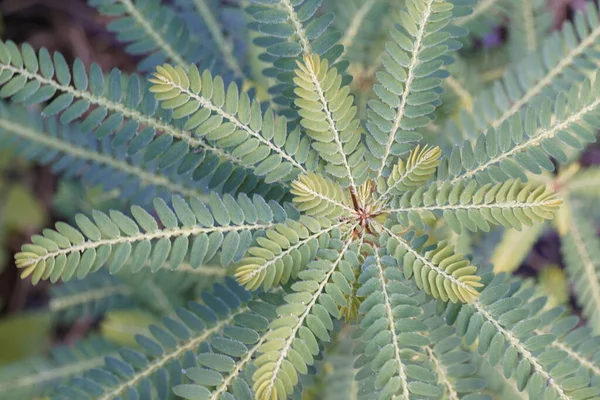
column 366, row 208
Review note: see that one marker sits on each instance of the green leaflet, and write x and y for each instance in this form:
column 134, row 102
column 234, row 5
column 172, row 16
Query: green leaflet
column 526, row 143
column 392, row 332
column 292, row 342
column 151, row 29
column 232, row 121
column 511, row 204
column 580, row 249
column 329, row 117
column 229, row 322
column 452, row 363
column 409, row 350
column 66, row 147
column 189, row 230
column 368, row 213
column 209, row 14
column 119, row 108
column 362, row 24
column 39, row 376
column 578, row 343
column 319, row 197
column 289, row 30
column 282, row 252
column 416, row 171
column 406, row 87
column 511, row 331
column 530, row 22
column 563, row 60
column 440, row 272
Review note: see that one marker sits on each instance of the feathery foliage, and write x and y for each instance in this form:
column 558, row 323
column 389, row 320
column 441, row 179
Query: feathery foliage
column 511, row 204
column 91, row 297
column 94, row 162
column 40, row 376
column 231, row 121
column 221, row 30
column 407, row 86
column 114, row 238
column 338, row 207
column 509, row 327
column 527, row 143
column 288, row 31
column 563, row 59
column 151, row 29
column 530, row 21
column 580, row 248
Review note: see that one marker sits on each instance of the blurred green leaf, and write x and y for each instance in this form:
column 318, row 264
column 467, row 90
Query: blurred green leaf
column 23, row 336
column 21, row 210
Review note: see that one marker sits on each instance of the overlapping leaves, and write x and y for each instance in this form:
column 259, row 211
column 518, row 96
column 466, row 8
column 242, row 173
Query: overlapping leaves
column 349, row 244
column 232, row 121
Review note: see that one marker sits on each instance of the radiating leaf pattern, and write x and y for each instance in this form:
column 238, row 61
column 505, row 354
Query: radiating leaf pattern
column 321, row 164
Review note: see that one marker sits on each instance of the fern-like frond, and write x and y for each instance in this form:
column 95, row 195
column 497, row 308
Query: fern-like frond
column 282, row 253
column 151, row 29
column 208, row 19
column 469, row 204
column 178, row 345
column 319, row 197
column 39, row 376
column 228, row 223
column 119, row 107
column 581, row 251
column 364, row 47
column 224, row 371
column 72, row 153
column 505, row 325
column 496, row 382
column 450, row 361
column 440, row 271
column 579, row 343
column 564, row 59
column 393, row 333
column 232, row 122
column 307, row 317
column 514, row 247
column 469, row 79
column 411, row 174
column 91, row 297
column 407, row 89
column 329, row 117
column 292, row 29
column 529, row 142
column 360, row 23
column 530, row 21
